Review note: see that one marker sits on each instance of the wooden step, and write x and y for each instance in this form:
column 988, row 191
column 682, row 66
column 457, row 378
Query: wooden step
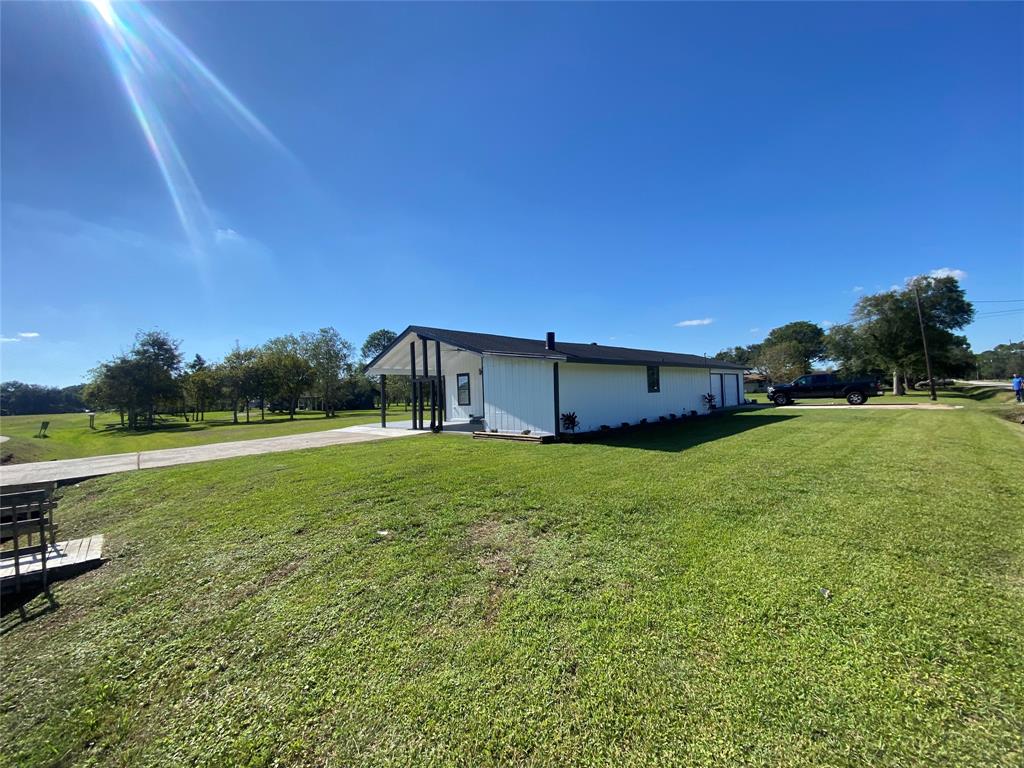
column 515, row 437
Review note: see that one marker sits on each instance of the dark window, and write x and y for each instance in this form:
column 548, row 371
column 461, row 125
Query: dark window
column 821, row 378
column 653, row 378
column 462, row 385
column 803, row 381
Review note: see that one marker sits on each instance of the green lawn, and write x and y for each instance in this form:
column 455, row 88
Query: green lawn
column 650, row 600
column 69, row 436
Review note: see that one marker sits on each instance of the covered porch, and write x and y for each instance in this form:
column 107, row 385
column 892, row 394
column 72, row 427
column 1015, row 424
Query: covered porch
column 446, row 382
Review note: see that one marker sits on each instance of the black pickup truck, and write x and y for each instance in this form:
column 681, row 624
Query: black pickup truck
column 824, row 385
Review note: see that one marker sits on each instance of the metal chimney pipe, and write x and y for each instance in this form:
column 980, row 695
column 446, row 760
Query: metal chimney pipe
column 549, row 343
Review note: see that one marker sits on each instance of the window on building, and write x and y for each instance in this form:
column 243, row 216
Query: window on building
column 462, row 385
column 653, row 378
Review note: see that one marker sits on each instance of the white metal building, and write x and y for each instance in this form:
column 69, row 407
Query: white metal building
column 515, row 385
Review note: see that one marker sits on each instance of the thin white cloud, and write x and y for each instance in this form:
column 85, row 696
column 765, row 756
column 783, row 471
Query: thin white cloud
column 29, row 335
column 959, row 274
column 857, row 289
column 691, row 323
column 227, row 235
column 5, row 339
column 826, row 323
column 755, row 330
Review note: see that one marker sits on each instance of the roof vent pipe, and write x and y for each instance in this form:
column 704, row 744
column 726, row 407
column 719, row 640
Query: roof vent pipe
column 549, row 343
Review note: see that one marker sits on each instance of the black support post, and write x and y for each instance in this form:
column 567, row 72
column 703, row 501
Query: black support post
column 440, row 387
column 558, row 416
column 383, row 400
column 433, row 404
column 426, row 375
column 412, row 381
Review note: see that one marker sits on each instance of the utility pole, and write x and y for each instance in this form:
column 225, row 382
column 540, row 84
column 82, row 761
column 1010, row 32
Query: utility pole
column 924, row 343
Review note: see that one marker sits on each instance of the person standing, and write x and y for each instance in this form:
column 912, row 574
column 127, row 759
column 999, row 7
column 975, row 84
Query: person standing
column 1018, row 387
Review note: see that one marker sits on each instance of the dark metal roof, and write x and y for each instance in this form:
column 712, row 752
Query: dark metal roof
column 489, row 343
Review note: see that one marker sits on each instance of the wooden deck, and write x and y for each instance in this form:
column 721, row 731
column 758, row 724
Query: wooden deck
column 60, row 556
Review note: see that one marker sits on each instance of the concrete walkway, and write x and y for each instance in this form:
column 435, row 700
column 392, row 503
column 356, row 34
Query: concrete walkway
column 877, row 406
column 71, row 469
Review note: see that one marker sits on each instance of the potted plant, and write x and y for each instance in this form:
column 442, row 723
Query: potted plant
column 569, row 421
column 709, row 401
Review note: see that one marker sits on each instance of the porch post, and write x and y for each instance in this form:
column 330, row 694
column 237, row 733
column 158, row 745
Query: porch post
column 440, row 388
column 383, row 400
column 433, row 405
column 426, row 374
column 412, row 380
column 558, row 416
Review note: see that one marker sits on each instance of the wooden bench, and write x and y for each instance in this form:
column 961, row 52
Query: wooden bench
column 26, row 516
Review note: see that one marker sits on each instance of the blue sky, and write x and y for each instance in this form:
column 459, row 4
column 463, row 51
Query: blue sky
column 605, row 171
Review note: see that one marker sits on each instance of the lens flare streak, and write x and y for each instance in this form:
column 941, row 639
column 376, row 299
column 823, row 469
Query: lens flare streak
column 145, row 56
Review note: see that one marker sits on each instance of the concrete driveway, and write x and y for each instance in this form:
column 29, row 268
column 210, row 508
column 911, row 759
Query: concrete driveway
column 70, row 469
column 878, row 406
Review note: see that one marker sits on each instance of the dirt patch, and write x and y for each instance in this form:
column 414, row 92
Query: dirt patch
column 504, row 550
column 276, row 576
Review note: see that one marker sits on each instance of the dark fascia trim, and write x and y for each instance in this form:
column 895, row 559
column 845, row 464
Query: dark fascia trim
column 526, row 356
column 654, row 363
column 419, row 336
column 561, row 357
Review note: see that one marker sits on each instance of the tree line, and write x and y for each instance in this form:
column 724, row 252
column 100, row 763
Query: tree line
column 882, row 338
column 320, row 368
column 18, row 397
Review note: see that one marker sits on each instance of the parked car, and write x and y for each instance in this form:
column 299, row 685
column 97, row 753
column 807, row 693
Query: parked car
column 938, row 383
column 824, row 385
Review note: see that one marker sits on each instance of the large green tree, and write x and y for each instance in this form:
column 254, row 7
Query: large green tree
column 782, row 361
column 744, row 356
column 329, row 355
column 803, row 340
column 137, row 383
column 293, row 374
column 237, row 379
column 888, row 330
column 376, row 343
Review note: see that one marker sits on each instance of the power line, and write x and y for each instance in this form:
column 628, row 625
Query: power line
column 1001, row 311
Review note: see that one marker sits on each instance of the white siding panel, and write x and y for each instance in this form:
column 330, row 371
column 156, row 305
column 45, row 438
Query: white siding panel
column 612, row 394
column 519, row 394
column 452, row 365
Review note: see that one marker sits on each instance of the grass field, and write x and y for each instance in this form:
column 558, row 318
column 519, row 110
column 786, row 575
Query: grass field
column 69, row 436
column 650, row 600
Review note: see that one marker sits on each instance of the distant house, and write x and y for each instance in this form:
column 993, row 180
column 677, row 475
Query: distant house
column 755, row 382
column 513, row 384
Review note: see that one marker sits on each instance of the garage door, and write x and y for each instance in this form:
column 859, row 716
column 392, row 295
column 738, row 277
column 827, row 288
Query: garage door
column 716, row 388
column 731, row 389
